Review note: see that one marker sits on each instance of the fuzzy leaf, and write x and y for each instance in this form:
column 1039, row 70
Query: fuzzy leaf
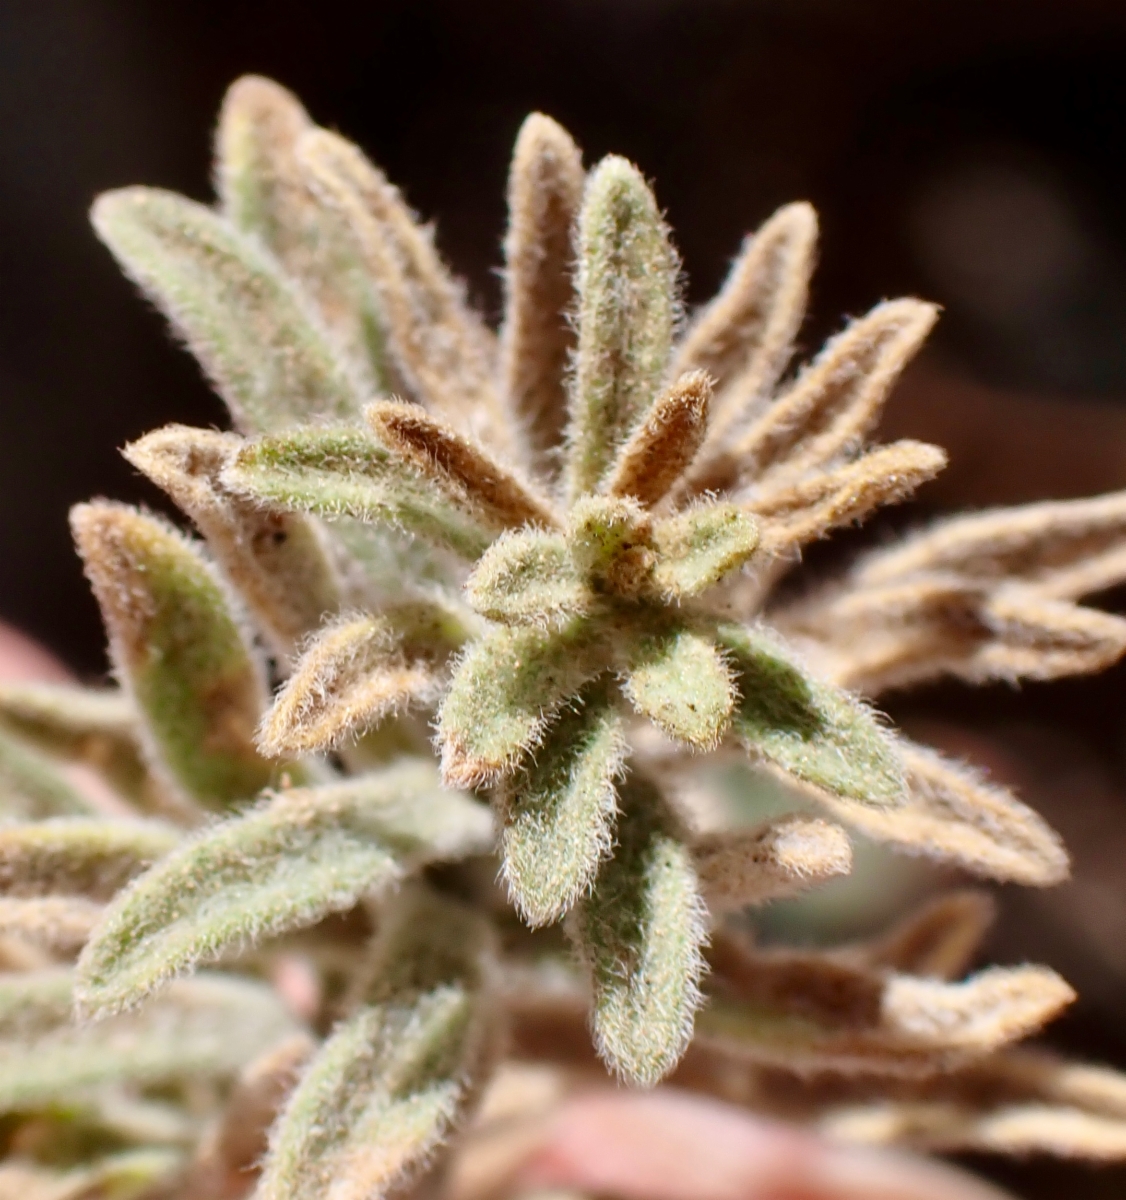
column 465, row 471
column 393, row 1080
column 745, row 336
column 780, row 859
column 545, row 186
column 177, row 647
column 559, row 814
column 640, row 932
column 940, row 939
column 306, row 853
column 83, row 856
column 678, row 680
column 609, row 539
column 276, row 562
column 528, row 578
column 697, row 548
column 245, row 323
column 627, row 311
column 439, row 348
column 97, row 727
column 505, row 690
column 351, row 677
column 31, row 786
column 263, row 194
column 339, row 471
column 811, row 729
column 663, row 446
column 952, row 814
column 202, row 1027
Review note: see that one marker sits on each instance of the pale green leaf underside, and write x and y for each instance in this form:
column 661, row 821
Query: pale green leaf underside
column 339, row 471
column 528, row 578
column 504, row 691
column 640, row 931
column 697, row 548
column 309, row 852
column 813, row 730
column 678, row 680
column 559, row 815
column 254, row 336
column 208, row 1026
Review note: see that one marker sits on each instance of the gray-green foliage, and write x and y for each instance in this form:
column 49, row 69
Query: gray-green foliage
column 305, row 853
column 560, row 608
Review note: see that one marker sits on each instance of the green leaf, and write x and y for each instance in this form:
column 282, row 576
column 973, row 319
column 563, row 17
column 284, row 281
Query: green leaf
column 813, row 730
column 263, row 194
column 339, row 471
column 559, row 814
column 96, row 727
column 627, row 312
column 246, row 324
column 677, row 679
column 392, row 1081
column 307, row 853
column 178, row 649
column 506, row 688
column 83, row 856
column 129, row 1175
column 641, row 931
column 528, row 578
column 200, row 1028
column 31, row 786
column 697, row 548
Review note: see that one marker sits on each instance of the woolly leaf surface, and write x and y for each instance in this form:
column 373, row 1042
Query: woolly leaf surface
column 697, row 548
column 559, row 814
column 202, row 1027
column 392, row 1081
column 528, row 578
column 678, row 680
column 640, row 931
column 811, row 729
column 258, row 342
column 31, row 785
column 340, row 471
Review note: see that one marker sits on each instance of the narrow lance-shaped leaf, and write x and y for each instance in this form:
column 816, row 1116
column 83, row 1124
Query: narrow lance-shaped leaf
column 263, row 193
column 340, row 471
column 678, row 679
column 177, row 648
column 940, row 939
column 392, row 1082
column 82, row 856
column 306, row 853
column 745, row 336
column 810, row 729
column 251, row 332
column 627, row 312
column 663, row 446
column 275, row 561
column 205, row 1027
column 457, row 466
column 780, row 859
column 640, row 931
column 440, row 349
column 505, row 690
column 351, row 677
column 559, row 814
column 545, row 186
column 32, row 786
column 97, row 727
column 57, row 923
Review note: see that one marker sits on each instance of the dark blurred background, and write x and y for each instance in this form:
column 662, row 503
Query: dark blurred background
column 970, row 151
